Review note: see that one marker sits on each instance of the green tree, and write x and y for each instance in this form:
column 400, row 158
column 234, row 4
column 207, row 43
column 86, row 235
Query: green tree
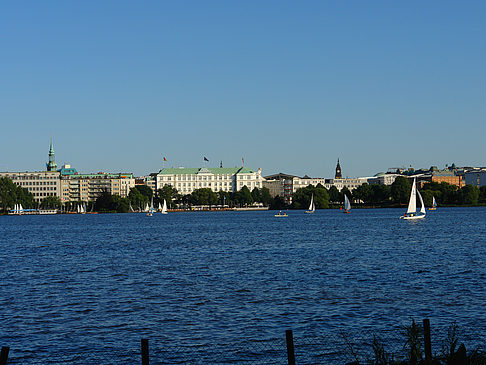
column 380, row 194
column 255, row 195
column 277, row 203
column 265, row 196
column 400, row 190
column 122, row 204
column 204, row 196
column 450, row 194
column 137, row 199
column 243, row 196
column 169, row 193
column 482, row 194
column 50, row 202
column 363, row 193
column 302, row 197
column 321, row 197
column 11, row 194
column 145, row 191
column 469, row 194
column 334, row 196
column 224, row 198
column 106, row 203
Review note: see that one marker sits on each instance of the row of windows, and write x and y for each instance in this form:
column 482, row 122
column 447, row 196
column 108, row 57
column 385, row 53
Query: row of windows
column 29, row 183
column 205, row 178
column 32, row 177
column 44, row 194
column 42, row 188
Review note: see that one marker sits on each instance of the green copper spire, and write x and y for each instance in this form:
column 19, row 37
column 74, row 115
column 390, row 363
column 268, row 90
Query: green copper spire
column 51, row 165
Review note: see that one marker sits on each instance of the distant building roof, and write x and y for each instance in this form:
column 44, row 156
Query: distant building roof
column 67, row 170
column 279, row 176
column 210, row 170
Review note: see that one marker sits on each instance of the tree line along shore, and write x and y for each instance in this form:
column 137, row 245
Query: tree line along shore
column 365, row 196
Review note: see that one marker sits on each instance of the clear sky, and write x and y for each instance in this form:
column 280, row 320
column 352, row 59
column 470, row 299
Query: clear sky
column 291, row 86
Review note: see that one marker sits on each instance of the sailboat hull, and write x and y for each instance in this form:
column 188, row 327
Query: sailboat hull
column 413, row 217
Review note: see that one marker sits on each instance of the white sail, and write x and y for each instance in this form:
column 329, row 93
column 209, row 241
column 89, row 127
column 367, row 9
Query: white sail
column 434, row 203
column 164, row 208
column 412, row 204
column 20, row 208
column 79, row 209
column 312, row 207
column 151, row 210
column 146, row 208
column 422, row 209
column 347, row 204
column 160, row 207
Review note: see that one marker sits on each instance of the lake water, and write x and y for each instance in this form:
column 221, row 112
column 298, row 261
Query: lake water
column 78, row 282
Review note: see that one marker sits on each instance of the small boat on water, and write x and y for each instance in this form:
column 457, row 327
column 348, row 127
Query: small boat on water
column 164, row 208
column 347, row 204
column 434, row 204
column 280, row 214
column 17, row 210
column 312, row 206
column 412, row 205
column 151, row 209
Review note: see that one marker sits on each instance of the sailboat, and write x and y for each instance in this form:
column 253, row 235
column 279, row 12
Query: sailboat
column 434, row 204
column 17, row 209
column 312, row 206
column 164, row 208
column 151, row 210
column 347, row 204
column 146, row 208
column 412, row 204
column 159, row 209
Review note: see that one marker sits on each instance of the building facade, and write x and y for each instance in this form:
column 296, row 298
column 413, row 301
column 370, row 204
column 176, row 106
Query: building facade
column 476, row 177
column 382, row 179
column 88, row 187
column 40, row 183
column 186, row 180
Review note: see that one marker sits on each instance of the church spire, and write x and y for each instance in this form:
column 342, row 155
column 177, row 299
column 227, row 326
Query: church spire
column 338, row 171
column 51, row 165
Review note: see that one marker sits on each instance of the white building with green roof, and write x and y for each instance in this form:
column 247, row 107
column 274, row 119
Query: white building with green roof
column 186, row 180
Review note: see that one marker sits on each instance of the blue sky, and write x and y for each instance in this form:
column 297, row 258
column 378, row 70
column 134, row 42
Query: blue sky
column 290, row 86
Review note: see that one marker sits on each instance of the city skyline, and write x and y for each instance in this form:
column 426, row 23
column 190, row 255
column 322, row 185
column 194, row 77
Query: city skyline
column 51, row 165
column 290, row 88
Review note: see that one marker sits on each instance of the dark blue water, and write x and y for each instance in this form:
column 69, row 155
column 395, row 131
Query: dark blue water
column 76, row 282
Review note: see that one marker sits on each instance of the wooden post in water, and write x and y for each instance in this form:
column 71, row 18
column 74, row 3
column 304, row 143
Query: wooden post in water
column 145, row 352
column 427, row 342
column 290, row 347
column 4, row 355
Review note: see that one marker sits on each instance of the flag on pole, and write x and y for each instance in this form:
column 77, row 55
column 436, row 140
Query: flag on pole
column 205, row 159
column 165, row 159
column 242, row 161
